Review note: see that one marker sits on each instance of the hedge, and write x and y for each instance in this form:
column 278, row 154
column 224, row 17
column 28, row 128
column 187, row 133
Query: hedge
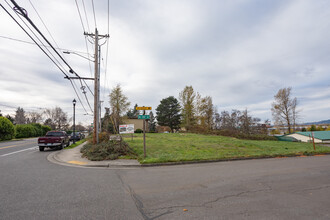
column 31, row 130
column 7, row 129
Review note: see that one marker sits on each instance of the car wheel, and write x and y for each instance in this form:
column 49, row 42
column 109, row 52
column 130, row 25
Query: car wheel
column 68, row 144
column 61, row 146
column 41, row 148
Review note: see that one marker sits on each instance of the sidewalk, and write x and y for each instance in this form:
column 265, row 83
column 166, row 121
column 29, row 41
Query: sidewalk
column 73, row 157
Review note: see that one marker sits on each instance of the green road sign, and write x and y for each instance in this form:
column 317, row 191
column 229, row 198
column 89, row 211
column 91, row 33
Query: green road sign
column 144, row 117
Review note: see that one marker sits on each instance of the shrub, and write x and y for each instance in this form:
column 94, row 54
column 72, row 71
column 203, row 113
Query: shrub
column 7, row 129
column 138, row 130
column 26, row 130
column 104, row 136
column 109, row 150
column 45, row 129
column 38, row 128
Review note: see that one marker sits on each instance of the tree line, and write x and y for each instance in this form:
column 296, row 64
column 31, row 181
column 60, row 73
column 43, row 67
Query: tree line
column 33, row 124
column 191, row 112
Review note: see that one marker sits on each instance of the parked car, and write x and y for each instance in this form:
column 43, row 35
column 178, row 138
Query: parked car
column 77, row 136
column 54, row 139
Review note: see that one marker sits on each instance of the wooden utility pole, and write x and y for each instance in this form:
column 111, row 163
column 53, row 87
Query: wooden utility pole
column 96, row 37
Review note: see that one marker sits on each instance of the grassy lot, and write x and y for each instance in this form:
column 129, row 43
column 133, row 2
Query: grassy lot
column 76, row 144
column 193, row 147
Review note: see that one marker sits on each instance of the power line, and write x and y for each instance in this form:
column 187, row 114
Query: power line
column 58, row 63
column 24, row 14
column 44, row 24
column 33, row 40
column 77, row 95
column 85, row 15
column 32, row 43
column 82, row 24
column 94, row 13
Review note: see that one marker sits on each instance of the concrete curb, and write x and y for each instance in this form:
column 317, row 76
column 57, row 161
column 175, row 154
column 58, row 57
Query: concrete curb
column 226, row 160
column 53, row 157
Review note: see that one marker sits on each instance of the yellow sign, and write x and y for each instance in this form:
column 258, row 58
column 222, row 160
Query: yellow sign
column 143, row 108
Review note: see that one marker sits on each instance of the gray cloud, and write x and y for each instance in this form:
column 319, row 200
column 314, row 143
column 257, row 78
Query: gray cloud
column 238, row 52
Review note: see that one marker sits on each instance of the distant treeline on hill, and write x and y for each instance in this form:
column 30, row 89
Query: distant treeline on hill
column 318, row 123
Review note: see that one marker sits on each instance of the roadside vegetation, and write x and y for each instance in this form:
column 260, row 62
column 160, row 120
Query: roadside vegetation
column 178, row 147
column 76, row 144
column 107, row 150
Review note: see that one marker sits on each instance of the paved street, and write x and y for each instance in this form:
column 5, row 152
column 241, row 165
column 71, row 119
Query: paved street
column 279, row 188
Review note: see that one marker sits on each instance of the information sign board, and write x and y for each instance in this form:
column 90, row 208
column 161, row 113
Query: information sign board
column 126, row 129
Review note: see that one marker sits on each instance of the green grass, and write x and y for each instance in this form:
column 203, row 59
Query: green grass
column 163, row 148
column 76, row 144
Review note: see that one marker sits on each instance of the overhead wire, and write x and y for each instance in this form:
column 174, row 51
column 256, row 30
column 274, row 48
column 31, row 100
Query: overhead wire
column 32, row 43
column 85, row 15
column 77, row 95
column 33, row 40
column 83, row 26
column 24, row 14
column 44, row 24
column 94, row 13
column 107, row 52
column 46, row 48
column 82, row 86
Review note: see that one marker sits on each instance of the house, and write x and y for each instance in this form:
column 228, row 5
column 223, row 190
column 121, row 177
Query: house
column 319, row 136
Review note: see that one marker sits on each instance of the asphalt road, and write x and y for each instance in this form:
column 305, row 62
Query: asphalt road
column 286, row 188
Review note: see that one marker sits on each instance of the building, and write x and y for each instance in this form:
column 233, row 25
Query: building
column 319, row 136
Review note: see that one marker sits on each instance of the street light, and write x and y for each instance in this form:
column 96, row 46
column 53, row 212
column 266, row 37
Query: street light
column 74, row 124
column 71, row 52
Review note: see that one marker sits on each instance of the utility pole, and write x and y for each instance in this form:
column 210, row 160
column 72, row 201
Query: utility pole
column 96, row 37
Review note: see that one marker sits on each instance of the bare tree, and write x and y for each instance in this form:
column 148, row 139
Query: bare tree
column 56, row 118
column 34, row 117
column 284, row 109
column 119, row 104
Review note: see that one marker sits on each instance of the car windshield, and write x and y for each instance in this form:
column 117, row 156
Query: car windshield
column 54, row 134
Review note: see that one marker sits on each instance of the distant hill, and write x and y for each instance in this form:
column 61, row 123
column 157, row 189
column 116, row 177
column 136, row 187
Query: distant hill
column 318, row 123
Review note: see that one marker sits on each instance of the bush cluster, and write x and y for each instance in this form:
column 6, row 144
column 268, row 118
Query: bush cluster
column 31, row 130
column 109, row 150
column 7, row 129
column 138, row 130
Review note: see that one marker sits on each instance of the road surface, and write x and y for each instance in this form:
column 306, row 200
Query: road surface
column 285, row 188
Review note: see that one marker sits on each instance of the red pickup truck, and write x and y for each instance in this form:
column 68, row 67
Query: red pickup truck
column 54, row 139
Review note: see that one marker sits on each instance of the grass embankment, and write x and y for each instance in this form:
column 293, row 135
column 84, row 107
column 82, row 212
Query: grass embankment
column 163, row 148
column 76, row 144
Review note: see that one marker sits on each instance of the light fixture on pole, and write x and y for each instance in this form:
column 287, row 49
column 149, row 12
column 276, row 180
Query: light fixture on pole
column 74, row 118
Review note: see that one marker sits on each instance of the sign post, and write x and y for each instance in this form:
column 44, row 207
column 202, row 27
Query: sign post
column 144, row 117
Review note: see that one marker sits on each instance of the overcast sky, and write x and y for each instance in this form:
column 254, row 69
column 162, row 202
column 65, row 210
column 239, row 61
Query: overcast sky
column 239, row 52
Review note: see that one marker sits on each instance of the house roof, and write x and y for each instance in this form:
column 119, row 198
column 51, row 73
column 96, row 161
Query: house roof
column 322, row 135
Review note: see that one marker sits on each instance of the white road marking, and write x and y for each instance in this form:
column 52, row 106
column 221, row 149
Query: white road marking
column 31, row 148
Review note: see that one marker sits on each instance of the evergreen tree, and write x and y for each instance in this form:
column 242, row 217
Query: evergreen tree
column 152, row 122
column 168, row 113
